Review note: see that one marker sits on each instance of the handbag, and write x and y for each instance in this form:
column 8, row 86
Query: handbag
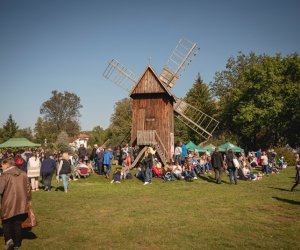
column 236, row 163
column 31, row 219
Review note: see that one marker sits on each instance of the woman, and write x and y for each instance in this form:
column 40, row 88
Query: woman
column 230, row 166
column 15, row 193
column 33, row 171
column 265, row 163
column 64, row 170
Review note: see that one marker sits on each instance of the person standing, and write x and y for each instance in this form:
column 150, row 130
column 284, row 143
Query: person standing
column 47, row 170
column 148, row 162
column 297, row 173
column 217, row 164
column 16, row 195
column 82, row 152
column 230, row 166
column 107, row 161
column 100, row 156
column 64, row 170
column 265, row 163
column 33, row 171
column 177, row 153
column 184, row 153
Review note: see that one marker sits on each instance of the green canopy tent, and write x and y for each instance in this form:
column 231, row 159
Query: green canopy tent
column 18, row 143
column 192, row 146
column 210, row 148
column 229, row 145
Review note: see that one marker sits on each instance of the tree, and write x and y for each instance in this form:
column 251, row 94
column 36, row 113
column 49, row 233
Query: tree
column 10, row 128
column 62, row 142
column 60, row 113
column 97, row 136
column 258, row 98
column 120, row 125
column 201, row 98
column 26, row 133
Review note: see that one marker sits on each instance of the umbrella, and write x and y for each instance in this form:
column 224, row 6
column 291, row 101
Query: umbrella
column 224, row 147
column 210, row 148
column 192, row 146
column 18, row 142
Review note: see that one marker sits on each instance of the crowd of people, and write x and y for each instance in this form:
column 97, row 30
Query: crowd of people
column 23, row 169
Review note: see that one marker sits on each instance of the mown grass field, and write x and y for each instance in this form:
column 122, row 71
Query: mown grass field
column 95, row 214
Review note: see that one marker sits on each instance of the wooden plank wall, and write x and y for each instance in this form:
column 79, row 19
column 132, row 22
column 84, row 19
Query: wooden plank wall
column 153, row 113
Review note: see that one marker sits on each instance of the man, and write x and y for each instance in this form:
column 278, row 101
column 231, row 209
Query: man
column 16, row 194
column 82, row 152
column 48, row 168
column 184, row 153
column 217, row 164
column 297, row 173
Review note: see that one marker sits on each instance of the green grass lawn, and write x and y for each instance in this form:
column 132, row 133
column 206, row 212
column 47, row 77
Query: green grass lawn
column 95, row 214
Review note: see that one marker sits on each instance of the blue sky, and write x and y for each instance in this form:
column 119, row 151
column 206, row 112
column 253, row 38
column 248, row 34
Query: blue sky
column 64, row 45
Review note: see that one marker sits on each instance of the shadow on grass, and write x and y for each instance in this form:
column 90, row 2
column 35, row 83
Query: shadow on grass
column 207, row 178
column 28, row 234
column 281, row 189
column 287, row 200
column 59, row 188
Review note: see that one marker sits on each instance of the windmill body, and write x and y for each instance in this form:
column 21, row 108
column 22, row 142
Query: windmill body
column 153, row 114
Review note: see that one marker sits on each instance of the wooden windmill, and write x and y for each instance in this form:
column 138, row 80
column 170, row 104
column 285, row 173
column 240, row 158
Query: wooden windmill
column 154, row 106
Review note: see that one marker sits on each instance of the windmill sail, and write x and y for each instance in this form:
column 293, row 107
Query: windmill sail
column 194, row 118
column 120, row 75
column 181, row 57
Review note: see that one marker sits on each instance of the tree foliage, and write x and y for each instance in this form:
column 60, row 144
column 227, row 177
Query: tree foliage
column 120, row 126
column 97, row 136
column 60, row 113
column 201, row 98
column 62, row 142
column 258, row 99
column 10, row 128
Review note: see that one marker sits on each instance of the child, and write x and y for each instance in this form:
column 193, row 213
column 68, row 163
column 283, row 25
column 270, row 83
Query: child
column 116, row 176
column 259, row 176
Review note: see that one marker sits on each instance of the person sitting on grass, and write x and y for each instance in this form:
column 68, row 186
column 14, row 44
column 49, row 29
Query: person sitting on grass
column 116, row 176
column 167, row 172
column 177, row 171
column 83, row 170
column 248, row 174
column 196, row 165
column 188, row 172
column 156, row 169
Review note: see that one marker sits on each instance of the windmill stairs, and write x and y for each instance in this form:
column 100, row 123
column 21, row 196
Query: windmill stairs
column 150, row 138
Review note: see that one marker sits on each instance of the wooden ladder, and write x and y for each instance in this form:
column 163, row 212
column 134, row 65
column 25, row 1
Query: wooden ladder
column 139, row 156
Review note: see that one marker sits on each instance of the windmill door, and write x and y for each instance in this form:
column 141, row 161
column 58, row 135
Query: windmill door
column 140, row 124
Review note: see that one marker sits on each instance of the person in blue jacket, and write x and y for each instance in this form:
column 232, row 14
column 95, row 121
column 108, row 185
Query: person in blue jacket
column 107, row 161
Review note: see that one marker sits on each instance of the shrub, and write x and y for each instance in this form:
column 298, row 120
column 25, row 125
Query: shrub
column 289, row 156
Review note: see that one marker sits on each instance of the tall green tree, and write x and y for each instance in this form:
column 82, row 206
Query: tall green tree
column 120, row 125
column 201, row 98
column 26, row 133
column 97, row 136
column 258, row 95
column 10, row 128
column 60, row 113
column 62, row 142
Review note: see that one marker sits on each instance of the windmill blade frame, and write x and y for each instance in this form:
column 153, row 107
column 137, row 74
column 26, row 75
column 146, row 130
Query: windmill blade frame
column 178, row 61
column 120, row 75
column 194, row 118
